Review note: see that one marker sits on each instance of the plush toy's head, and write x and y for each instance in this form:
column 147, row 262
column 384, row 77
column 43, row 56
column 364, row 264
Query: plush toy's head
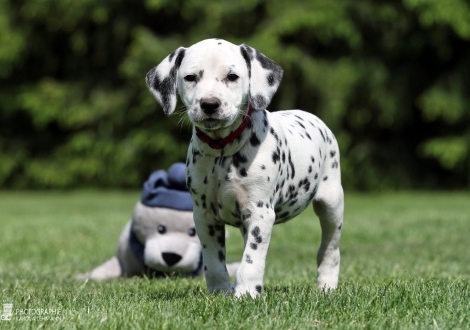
column 163, row 236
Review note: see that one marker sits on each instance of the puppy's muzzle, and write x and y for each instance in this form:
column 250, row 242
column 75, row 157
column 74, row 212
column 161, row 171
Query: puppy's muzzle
column 210, row 105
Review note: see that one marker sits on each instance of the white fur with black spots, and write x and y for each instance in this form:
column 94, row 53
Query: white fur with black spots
column 263, row 174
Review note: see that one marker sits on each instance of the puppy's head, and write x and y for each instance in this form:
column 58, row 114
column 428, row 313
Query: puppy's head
column 216, row 80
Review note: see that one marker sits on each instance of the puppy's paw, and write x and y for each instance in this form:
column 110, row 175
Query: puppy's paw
column 253, row 291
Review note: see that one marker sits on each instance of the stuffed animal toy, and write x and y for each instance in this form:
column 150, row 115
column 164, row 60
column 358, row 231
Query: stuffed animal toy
column 160, row 240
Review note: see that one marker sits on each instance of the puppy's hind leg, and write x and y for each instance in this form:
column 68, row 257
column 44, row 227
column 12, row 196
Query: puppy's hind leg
column 329, row 207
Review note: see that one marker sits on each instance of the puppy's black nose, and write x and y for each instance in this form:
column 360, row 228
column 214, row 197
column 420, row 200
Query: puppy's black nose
column 210, row 105
column 171, row 258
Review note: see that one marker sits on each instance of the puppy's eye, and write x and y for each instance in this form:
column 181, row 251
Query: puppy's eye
column 232, row 77
column 190, row 77
column 161, row 229
column 192, row 232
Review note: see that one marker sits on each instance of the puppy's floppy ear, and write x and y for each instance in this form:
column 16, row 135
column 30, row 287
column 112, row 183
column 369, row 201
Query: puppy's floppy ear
column 161, row 80
column 265, row 76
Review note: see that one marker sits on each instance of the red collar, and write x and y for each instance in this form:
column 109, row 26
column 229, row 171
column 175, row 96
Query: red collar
column 220, row 143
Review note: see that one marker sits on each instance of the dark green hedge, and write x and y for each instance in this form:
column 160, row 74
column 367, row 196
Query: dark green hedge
column 391, row 79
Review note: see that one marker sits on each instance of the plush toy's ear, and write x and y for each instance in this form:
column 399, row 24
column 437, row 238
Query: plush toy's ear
column 265, row 76
column 161, row 80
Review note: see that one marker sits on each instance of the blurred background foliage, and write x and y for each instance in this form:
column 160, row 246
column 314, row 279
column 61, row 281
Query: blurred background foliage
column 391, row 78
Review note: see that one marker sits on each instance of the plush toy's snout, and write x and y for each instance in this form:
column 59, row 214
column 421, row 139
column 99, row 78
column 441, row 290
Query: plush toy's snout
column 171, row 258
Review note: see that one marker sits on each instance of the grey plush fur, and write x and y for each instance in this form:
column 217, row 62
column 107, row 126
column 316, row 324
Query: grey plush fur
column 163, row 232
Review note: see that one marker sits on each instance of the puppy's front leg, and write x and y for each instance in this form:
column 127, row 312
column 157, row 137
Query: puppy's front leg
column 257, row 234
column 212, row 237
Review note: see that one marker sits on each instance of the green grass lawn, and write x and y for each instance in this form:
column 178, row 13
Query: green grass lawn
column 405, row 265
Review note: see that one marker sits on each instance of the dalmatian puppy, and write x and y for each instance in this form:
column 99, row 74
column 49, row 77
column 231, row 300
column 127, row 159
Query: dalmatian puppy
column 247, row 167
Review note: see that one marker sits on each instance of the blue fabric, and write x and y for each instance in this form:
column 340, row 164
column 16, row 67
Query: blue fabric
column 168, row 189
column 164, row 189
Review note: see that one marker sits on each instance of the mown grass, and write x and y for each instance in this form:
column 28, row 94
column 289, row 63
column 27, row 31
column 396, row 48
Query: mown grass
column 405, row 265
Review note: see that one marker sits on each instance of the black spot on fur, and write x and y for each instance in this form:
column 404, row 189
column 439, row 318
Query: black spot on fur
column 244, row 231
column 323, row 136
column 221, row 256
column 270, row 65
column 247, row 54
column 263, row 167
column 275, row 156
column 249, row 124
column 255, row 232
column 253, row 246
column 259, row 288
column 332, row 153
column 205, row 268
column 290, row 192
column 211, row 230
column 310, row 169
column 273, row 132
column 292, row 203
column 254, row 140
column 248, row 259
column 260, row 204
column 195, row 154
column 221, row 239
column 170, row 58
column 222, row 161
column 243, row 172
column 205, row 180
column 283, row 215
column 325, row 178
column 340, row 226
column 313, row 193
column 237, row 209
column 238, row 159
column 259, row 100
column 305, row 183
column 335, row 164
column 292, row 166
column 265, row 122
column 214, row 211
column 270, row 79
